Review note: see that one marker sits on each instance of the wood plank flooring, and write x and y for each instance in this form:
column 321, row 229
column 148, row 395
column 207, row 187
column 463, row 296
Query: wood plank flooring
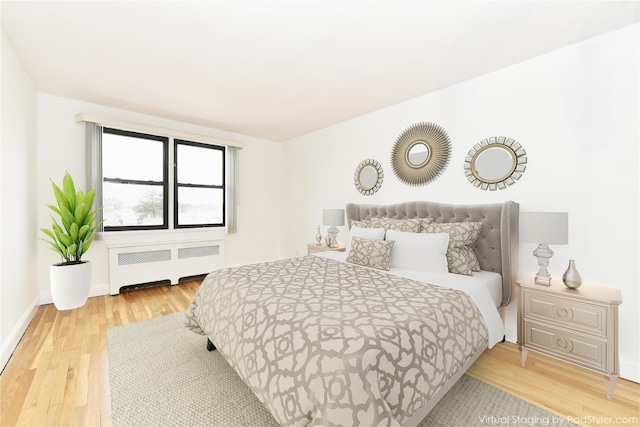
column 58, row 375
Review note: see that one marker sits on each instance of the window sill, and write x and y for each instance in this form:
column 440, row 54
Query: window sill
column 165, row 236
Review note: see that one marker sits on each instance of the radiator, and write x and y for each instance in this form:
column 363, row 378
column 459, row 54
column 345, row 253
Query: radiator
column 144, row 263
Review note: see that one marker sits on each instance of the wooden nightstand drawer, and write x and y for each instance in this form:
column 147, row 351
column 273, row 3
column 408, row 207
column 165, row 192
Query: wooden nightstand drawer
column 583, row 350
column 576, row 315
column 579, row 326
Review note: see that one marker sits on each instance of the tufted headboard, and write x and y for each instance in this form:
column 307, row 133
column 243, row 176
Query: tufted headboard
column 496, row 246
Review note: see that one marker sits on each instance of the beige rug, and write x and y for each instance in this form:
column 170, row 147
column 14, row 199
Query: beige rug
column 162, row 375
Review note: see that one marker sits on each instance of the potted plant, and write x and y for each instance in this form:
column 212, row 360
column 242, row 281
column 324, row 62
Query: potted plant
column 71, row 238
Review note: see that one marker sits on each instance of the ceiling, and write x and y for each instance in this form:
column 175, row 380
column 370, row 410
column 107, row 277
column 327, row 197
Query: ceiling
column 280, row 69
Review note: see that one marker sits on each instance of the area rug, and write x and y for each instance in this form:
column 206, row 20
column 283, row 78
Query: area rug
column 160, row 374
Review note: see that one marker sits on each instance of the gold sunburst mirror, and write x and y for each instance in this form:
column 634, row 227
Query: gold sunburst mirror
column 420, row 153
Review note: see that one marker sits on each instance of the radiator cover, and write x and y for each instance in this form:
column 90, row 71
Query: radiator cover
column 144, row 263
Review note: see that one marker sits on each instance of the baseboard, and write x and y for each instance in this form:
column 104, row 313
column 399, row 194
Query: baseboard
column 94, row 291
column 9, row 346
column 630, row 370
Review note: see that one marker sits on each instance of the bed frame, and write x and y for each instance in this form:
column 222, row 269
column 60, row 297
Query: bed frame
column 496, row 249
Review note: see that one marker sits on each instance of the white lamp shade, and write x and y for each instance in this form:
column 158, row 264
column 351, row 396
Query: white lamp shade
column 333, row 217
column 551, row 228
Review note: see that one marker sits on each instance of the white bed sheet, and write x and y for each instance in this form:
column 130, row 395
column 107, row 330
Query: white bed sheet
column 484, row 288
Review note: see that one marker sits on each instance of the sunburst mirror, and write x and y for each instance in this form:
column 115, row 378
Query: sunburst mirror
column 495, row 163
column 368, row 177
column 420, row 153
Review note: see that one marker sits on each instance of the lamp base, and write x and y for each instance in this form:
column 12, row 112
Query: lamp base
column 543, row 253
column 332, row 234
column 542, row 280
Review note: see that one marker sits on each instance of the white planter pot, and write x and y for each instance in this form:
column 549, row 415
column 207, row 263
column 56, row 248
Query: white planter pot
column 70, row 285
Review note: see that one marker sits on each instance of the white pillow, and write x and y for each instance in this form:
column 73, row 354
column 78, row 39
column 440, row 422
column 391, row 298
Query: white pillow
column 365, row 233
column 419, row 251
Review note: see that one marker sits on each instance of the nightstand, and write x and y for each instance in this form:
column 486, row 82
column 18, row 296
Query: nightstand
column 313, row 248
column 578, row 326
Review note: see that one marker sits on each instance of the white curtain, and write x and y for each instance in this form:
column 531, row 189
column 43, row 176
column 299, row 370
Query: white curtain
column 94, row 166
column 233, row 200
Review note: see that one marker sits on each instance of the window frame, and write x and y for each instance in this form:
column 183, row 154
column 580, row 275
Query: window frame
column 177, row 185
column 164, row 184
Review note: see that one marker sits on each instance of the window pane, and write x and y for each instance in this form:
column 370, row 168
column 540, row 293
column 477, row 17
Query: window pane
column 129, row 157
column 199, row 165
column 199, row 206
column 132, row 205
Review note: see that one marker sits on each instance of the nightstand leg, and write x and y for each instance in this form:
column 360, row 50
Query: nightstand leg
column 523, row 355
column 610, row 383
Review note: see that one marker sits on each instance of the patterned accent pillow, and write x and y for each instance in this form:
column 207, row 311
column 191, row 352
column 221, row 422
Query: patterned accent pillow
column 370, row 253
column 460, row 255
column 423, row 223
column 362, row 224
column 407, row 225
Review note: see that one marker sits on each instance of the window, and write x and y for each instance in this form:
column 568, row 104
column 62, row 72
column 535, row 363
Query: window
column 199, row 185
column 134, row 180
column 140, row 191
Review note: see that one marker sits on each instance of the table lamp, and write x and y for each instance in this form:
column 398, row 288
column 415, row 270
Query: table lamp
column 544, row 228
column 332, row 217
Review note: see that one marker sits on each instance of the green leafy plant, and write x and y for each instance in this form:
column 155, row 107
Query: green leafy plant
column 73, row 238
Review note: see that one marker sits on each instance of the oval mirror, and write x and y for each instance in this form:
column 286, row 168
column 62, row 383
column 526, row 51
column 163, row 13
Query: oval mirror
column 368, row 177
column 420, row 153
column 495, row 163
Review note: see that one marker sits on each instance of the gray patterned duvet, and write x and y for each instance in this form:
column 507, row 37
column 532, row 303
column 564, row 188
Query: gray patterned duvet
column 323, row 342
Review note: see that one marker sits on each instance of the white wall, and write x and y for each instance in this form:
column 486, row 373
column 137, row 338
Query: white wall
column 18, row 293
column 574, row 110
column 61, row 147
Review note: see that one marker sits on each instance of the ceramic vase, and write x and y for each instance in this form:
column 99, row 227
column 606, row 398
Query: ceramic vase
column 70, row 285
column 571, row 277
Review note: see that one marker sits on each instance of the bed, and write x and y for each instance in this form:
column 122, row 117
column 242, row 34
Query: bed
column 329, row 339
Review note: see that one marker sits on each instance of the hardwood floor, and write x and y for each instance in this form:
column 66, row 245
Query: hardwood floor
column 58, row 375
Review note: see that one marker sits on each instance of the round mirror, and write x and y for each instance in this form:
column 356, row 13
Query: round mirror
column 368, row 177
column 495, row 163
column 420, row 153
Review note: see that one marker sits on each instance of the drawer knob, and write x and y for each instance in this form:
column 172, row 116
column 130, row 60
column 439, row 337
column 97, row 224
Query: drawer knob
column 563, row 312
column 563, row 344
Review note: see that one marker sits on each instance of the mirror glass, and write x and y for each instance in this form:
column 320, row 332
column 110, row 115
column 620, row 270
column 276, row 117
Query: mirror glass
column 495, row 163
column 418, row 154
column 368, row 177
